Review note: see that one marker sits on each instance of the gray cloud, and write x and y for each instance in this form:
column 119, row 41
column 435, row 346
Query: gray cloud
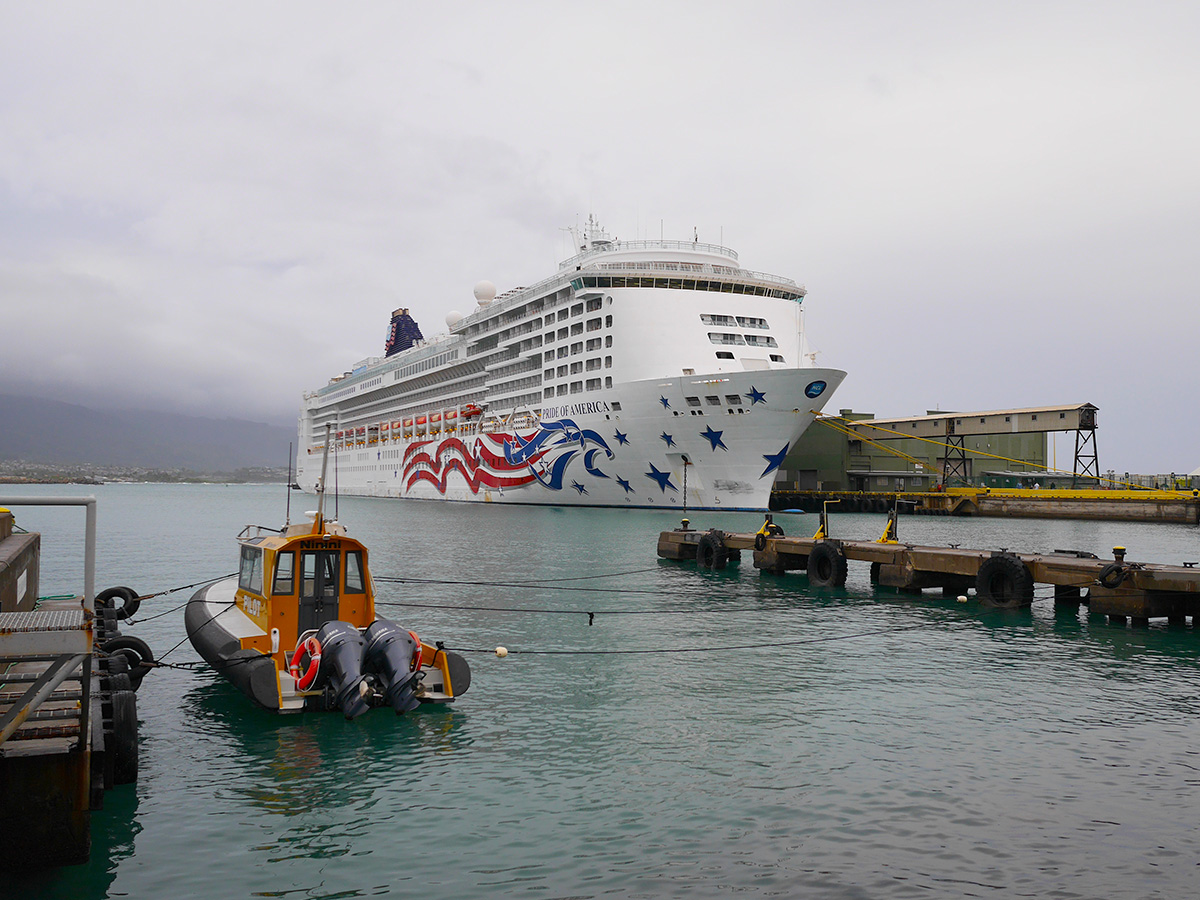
column 211, row 209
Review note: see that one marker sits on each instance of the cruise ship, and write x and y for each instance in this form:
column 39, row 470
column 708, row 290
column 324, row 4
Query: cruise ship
column 642, row 374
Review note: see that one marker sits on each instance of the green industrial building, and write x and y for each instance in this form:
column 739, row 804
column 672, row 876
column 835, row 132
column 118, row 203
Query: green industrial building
column 854, row 451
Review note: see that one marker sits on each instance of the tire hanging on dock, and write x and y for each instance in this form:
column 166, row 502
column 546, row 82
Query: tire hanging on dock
column 711, row 552
column 1004, row 582
column 827, row 566
column 128, row 597
column 136, row 651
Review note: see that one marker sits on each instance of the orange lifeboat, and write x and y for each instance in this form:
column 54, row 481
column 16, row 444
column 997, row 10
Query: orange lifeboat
column 471, row 410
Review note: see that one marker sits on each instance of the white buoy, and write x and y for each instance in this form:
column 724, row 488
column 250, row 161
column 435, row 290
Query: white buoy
column 502, row 652
column 962, row 598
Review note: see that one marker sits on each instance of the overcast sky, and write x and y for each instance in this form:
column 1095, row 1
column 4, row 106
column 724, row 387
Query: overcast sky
column 212, row 207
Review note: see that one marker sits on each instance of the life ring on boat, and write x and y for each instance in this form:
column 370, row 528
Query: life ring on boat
column 416, row 660
column 313, row 647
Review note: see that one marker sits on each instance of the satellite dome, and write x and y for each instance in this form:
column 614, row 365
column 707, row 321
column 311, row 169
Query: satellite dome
column 453, row 318
column 485, row 292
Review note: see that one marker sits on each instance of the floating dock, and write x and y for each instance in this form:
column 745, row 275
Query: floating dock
column 68, row 715
column 1180, row 507
column 1118, row 588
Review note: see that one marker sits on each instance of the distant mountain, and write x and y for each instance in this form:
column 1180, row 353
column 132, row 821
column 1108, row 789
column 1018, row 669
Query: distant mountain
column 47, row 431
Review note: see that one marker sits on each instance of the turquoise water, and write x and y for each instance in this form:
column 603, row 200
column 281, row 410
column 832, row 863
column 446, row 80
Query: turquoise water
column 860, row 745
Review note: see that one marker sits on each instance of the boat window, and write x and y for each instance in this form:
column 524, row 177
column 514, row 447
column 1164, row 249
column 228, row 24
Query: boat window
column 576, row 367
column 593, row 304
column 354, row 572
column 548, row 393
column 616, row 404
column 608, row 340
column 576, row 387
column 576, row 347
column 722, row 337
column 250, row 576
column 608, row 384
column 562, row 390
column 562, row 333
column 593, row 324
column 733, row 399
column 563, row 351
column 692, row 401
column 760, row 340
column 712, row 400
column 608, row 362
column 577, row 328
column 285, row 572
column 593, row 363
column 593, row 384
column 775, row 357
column 752, row 322
column 577, row 309
column 549, row 373
column 562, row 314
column 593, row 344
column 608, row 321
column 562, row 372
column 713, row 319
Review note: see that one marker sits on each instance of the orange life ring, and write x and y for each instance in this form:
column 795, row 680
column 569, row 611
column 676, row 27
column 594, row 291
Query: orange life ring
column 313, row 647
column 416, row 661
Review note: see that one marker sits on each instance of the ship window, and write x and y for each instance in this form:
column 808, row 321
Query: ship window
column 733, row 399
column 593, row 324
column 712, row 400
column 562, row 389
column 577, row 347
column 577, row 328
column 562, row 314
column 548, row 393
column 562, row 333
column 714, row 319
column 752, row 322
column 549, row 337
column 593, row 364
column 285, row 572
column 608, row 321
column 761, row 340
column 550, row 319
column 692, row 401
column 562, row 352
column 593, row 304
column 576, row 387
column 354, row 572
column 608, row 362
column 562, row 372
column 250, row 575
column 576, row 367
column 549, row 373
column 593, row 384
column 608, row 340
column 608, row 384
column 775, row 357
column 548, row 355
column 577, row 309
column 724, row 337
column 593, row 344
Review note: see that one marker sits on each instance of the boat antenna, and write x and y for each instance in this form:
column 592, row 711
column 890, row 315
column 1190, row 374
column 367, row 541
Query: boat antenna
column 287, row 518
column 319, row 521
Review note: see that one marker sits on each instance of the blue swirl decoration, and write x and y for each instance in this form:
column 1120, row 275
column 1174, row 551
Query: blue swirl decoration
column 815, row 389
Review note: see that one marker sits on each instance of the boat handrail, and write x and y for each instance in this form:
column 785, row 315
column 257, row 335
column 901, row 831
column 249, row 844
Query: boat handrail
column 246, row 534
column 614, row 246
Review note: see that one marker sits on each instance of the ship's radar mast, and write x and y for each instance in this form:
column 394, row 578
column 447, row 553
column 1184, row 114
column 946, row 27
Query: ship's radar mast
column 593, row 237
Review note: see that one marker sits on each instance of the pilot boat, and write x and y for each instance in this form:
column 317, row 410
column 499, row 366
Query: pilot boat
column 297, row 630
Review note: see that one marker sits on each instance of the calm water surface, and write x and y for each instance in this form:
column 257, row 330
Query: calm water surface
column 859, row 745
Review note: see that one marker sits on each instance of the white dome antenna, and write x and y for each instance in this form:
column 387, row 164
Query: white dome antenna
column 485, row 293
column 453, row 318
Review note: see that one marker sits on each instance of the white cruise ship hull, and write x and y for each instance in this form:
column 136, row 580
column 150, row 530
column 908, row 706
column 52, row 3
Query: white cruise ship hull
column 659, row 451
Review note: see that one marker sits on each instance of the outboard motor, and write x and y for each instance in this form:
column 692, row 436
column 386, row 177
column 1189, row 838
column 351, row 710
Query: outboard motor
column 341, row 665
column 390, row 651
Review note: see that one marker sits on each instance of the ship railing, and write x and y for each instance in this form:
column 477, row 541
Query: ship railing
column 693, row 246
column 723, row 272
column 256, row 531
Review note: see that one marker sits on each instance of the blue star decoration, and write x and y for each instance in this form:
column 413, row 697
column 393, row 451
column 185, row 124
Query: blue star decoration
column 665, row 402
column 774, row 460
column 756, row 396
column 625, row 484
column 579, row 487
column 714, row 437
column 668, row 438
column 621, row 438
column 663, row 478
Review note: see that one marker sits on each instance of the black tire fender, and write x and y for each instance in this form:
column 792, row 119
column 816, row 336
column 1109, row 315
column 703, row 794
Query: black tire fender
column 127, row 596
column 827, row 566
column 760, row 542
column 1112, row 575
column 1004, row 582
column 124, row 747
column 136, row 651
column 711, row 552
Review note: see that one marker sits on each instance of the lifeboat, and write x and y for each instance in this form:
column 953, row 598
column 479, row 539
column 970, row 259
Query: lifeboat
column 360, row 436
column 296, row 629
column 396, row 430
column 471, row 411
column 385, row 431
column 408, row 428
column 435, row 423
column 451, row 421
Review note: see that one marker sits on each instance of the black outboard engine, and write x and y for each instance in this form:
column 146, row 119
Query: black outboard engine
column 390, row 651
column 342, row 667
